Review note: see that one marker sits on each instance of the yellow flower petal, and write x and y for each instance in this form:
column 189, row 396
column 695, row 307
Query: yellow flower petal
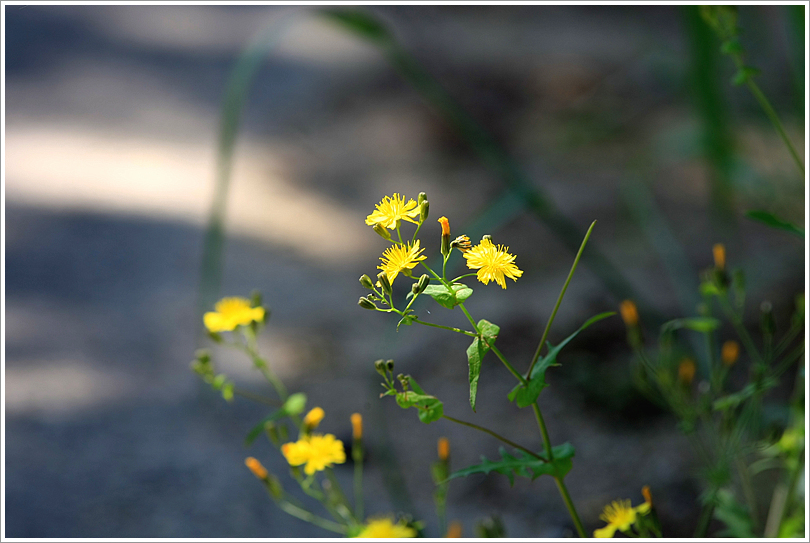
column 493, row 263
column 230, row 313
column 400, row 258
column 317, row 451
column 391, row 210
column 607, row 531
column 384, row 528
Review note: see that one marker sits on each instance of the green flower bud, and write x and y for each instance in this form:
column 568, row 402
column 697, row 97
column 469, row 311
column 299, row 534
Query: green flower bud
column 421, row 285
column 486, row 236
column 365, row 280
column 365, row 303
column 421, row 198
column 384, row 282
column 383, row 232
column 389, row 365
column 424, row 208
column 379, row 365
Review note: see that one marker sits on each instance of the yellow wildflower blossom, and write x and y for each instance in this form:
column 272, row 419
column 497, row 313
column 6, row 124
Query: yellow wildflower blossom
column 384, row 528
column 314, row 417
column 230, row 313
column 317, row 451
column 492, row 263
column 619, row 515
column 400, row 258
column 390, row 211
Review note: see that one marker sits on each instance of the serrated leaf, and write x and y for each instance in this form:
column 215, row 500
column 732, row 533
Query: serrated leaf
column 525, row 396
column 697, row 324
column 475, row 354
column 523, row 464
column 774, row 222
column 443, row 297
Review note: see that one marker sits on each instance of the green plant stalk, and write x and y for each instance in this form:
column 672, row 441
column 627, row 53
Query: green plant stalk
column 457, row 330
column 705, row 519
column 559, row 301
column 357, row 458
column 343, row 507
column 774, row 118
column 748, row 491
column 495, row 435
column 312, row 518
column 256, row 397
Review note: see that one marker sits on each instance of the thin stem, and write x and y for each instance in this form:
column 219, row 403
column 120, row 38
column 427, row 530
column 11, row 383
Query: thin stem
column 748, row 491
column 418, row 226
column 763, row 101
column 469, row 317
column 559, row 301
column 705, row 519
column 444, row 266
column 343, row 508
column 357, row 458
column 495, row 435
column 399, row 235
column 506, row 363
column 458, row 330
column 312, row 518
column 543, row 430
column 570, row 505
column 256, row 397
column 463, row 276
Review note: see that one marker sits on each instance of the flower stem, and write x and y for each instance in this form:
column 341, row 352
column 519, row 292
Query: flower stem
column 357, row 458
column 495, row 435
column 506, row 363
column 458, row 330
column 559, row 301
column 312, row 518
column 754, row 88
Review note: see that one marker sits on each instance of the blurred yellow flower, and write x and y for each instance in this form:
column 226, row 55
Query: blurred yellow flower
column 230, row 313
column 385, row 528
column 357, row 426
column 686, row 370
column 317, row 451
column 619, row 515
column 256, row 467
column 392, row 210
column 730, row 352
column 314, row 417
column 492, row 263
column 629, row 313
column 399, row 258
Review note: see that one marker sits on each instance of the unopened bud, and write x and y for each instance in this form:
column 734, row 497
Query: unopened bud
column 256, row 468
column 314, row 417
column 365, row 280
column 486, row 236
column 365, row 303
column 389, row 364
column 383, row 232
column 421, row 198
column 686, row 371
column 403, row 381
column 462, row 243
column 629, row 313
column 444, row 448
column 424, row 209
column 382, row 277
column 730, row 352
column 645, row 491
column 379, row 365
column 420, row 286
column 719, row 251
column 445, row 247
column 357, row 426
column 454, row 530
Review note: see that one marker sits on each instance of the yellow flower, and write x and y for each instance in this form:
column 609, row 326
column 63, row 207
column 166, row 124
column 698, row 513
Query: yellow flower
column 385, row 528
column 314, row 417
column 230, row 313
column 730, row 352
column 492, row 263
column 719, row 252
column 400, row 258
column 619, row 515
column 629, row 313
column 256, row 467
column 317, row 451
column 390, row 211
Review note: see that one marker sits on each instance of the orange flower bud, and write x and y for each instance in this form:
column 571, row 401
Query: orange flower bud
column 645, row 490
column 256, row 467
column 629, row 313
column 445, row 226
column 454, row 530
column 357, row 426
column 444, row 448
column 730, row 352
column 314, row 417
column 719, row 251
column 686, row 370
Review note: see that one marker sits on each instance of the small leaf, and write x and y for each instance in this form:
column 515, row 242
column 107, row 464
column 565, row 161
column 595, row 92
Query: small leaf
column 774, row 222
column 407, row 320
column 526, row 396
column 523, row 464
column 731, row 47
column 475, row 354
column 443, row 297
column 430, row 408
column 743, row 75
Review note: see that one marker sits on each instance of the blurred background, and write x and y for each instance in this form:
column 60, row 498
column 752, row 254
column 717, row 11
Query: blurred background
column 625, row 115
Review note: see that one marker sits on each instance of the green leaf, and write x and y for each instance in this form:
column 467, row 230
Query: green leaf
column 523, row 464
column 476, row 351
column 734, row 515
column 707, row 288
column 698, row 324
column 526, row 396
column 731, row 401
column 743, row 75
column 774, row 222
column 443, row 297
column 429, row 407
column 359, row 22
column 295, row 403
column 731, row 47
column 407, row 320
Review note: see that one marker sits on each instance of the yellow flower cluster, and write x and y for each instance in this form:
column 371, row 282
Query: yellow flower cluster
column 620, row 516
column 384, row 528
column 230, row 313
column 317, row 451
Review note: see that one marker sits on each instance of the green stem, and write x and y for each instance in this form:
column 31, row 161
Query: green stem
column 705, row 519
column 458, row 330
column 312, row 518
column 357, row 458
column 342, row 507
column 541, row 423
column 559, row 301
column 463, row 276
column 469, row 317
column 256, row 397
column 495, row 435
column 748, row 491
column 506, row 363
column 763, row 101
